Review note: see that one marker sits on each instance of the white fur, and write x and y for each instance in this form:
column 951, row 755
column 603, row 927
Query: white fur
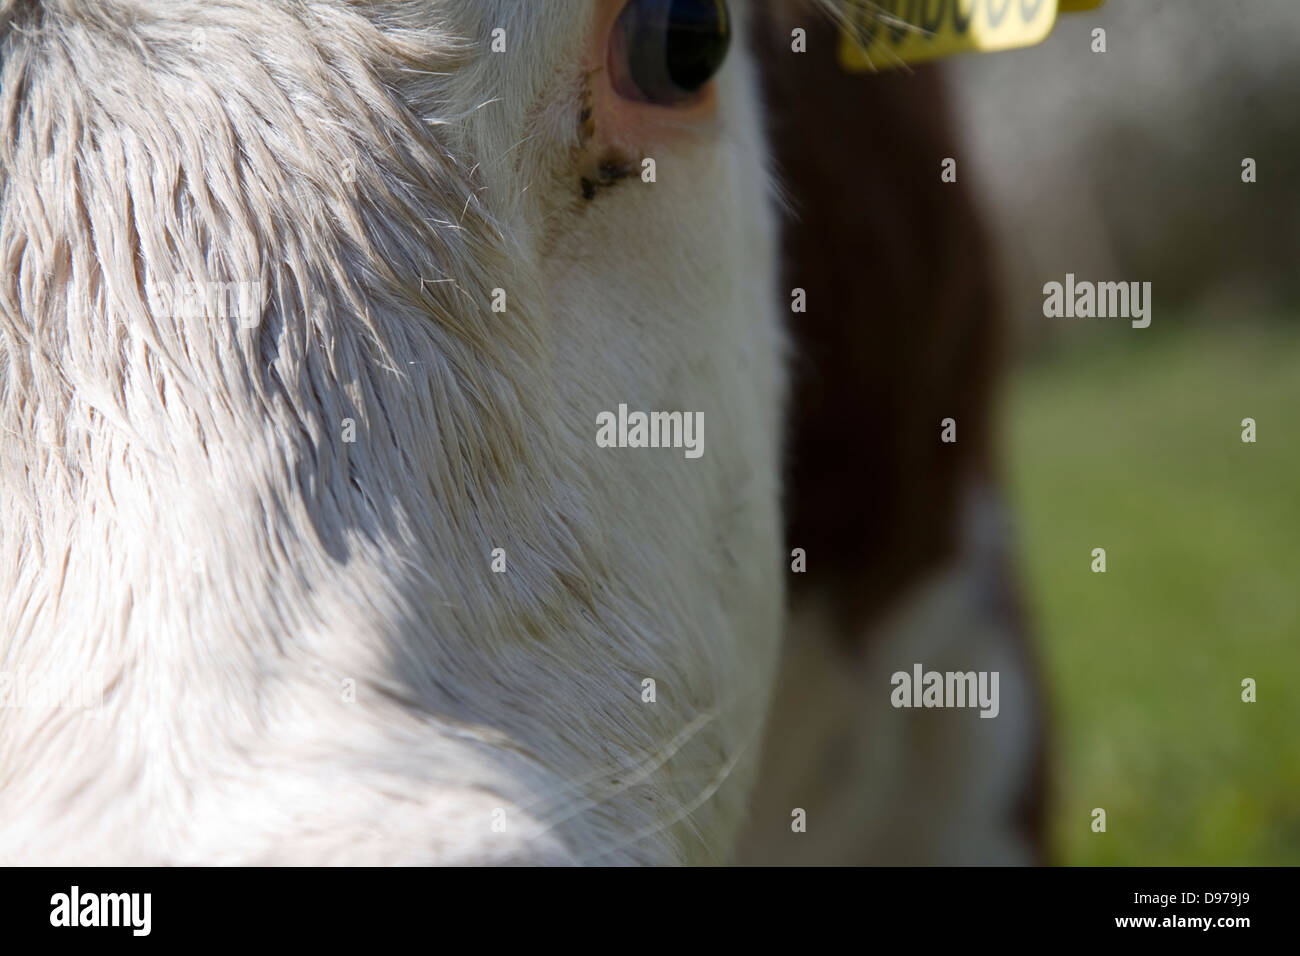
column 894, row 787
column 179, row 514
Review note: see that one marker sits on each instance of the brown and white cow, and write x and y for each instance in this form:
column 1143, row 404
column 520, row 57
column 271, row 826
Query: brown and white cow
column 309, row 313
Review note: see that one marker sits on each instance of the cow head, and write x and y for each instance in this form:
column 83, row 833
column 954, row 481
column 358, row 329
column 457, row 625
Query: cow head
column 308, row 318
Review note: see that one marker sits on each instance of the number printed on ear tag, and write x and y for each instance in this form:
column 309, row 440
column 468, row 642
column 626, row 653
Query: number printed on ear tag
column 886, row 33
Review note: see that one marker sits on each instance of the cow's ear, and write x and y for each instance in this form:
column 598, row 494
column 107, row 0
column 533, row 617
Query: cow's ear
column 898, row 327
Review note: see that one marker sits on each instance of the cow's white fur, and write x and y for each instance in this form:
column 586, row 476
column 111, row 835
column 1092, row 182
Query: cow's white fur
column 179, row 514
column 894, row 787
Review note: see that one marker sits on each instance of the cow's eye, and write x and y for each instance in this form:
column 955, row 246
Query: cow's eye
column 666, row 51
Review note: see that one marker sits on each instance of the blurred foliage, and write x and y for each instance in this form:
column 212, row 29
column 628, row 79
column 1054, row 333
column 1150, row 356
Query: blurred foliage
column 1132, row 442
column 1127, row 165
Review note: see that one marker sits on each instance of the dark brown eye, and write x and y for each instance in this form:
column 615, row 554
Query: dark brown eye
column 666, row 51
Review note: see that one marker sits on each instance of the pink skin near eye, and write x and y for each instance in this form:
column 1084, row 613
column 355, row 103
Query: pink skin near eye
column 630, row 124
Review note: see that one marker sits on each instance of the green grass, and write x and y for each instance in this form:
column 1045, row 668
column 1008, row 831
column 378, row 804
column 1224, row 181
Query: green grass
column 1135, row 446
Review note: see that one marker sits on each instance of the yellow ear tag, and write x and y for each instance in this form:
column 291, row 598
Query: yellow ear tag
column 880, row 34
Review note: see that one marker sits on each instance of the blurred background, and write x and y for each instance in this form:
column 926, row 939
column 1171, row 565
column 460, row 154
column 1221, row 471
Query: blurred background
column 1126, row 165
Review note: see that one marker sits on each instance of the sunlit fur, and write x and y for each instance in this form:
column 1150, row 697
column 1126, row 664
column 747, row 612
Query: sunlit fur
column 181, row 517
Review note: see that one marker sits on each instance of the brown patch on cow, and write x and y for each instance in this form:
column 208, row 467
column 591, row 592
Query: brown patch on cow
column 903, row 329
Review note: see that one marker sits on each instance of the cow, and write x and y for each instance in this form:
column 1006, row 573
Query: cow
column 908, row 540
column 310, row 318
